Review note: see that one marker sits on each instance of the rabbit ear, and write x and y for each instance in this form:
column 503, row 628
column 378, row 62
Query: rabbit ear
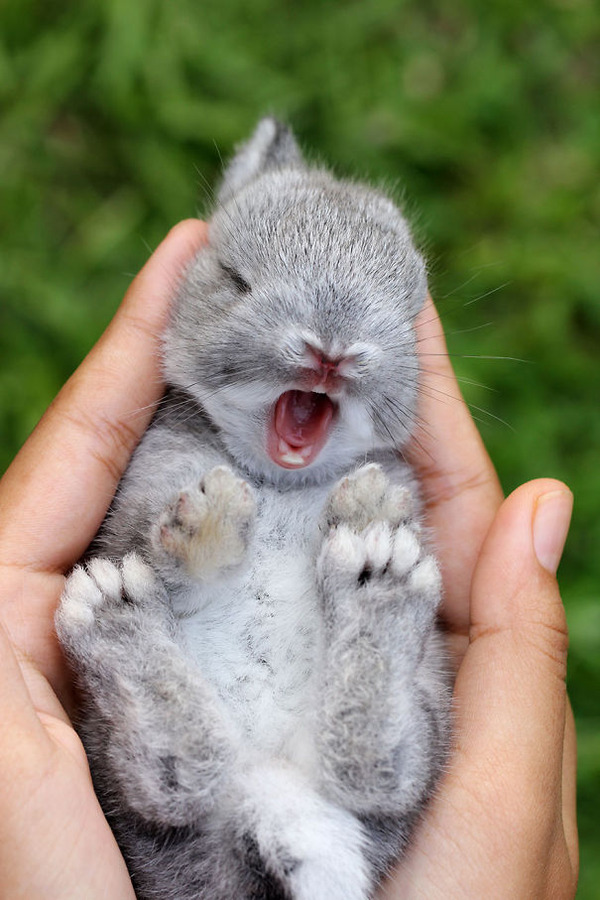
column 272, row 146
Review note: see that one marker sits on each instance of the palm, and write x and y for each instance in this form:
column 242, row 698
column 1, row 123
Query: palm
column 60, row 816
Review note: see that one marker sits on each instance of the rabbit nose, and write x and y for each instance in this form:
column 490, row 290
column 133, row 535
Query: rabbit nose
column 327, row 366
column 323, row 369
column 322, row 362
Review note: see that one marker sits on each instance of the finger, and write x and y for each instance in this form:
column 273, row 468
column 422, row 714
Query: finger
column 510, row 691
column 518, row 641
column 461, row 489
column 56, row 493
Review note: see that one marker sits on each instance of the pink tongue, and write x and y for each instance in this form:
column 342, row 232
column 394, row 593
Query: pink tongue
column 302, row 417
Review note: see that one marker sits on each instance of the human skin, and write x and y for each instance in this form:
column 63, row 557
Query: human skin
column 502, row 823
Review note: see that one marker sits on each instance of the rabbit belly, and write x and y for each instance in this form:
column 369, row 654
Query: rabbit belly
column 259, row 640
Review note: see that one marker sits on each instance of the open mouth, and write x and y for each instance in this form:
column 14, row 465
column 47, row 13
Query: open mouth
column 299, row 427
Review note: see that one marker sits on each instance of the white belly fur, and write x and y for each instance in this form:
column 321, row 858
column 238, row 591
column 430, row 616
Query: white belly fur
column 257, row 634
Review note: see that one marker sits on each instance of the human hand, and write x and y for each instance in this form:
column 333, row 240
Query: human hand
column 55, row 843
column 502, row 823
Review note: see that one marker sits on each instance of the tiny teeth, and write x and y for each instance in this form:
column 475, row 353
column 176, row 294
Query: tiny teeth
column 293, row 456
column 292, row 459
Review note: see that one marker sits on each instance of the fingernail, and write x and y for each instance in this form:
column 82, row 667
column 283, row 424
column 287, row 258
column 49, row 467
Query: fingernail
column 551, row 522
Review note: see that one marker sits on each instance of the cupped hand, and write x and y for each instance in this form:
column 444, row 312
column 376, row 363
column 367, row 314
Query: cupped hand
column 55, row 843
column 502, row 823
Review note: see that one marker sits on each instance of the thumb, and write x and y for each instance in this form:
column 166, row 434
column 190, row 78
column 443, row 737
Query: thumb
column 502, row 823
column 510, row 690
column 518, row 633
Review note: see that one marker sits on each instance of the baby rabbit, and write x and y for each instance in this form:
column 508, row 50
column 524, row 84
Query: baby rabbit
column 266, row 690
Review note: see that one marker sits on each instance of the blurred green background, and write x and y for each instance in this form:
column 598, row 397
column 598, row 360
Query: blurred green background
column 483, row 117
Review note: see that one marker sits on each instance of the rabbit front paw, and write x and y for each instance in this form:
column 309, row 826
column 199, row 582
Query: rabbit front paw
column 207, row 527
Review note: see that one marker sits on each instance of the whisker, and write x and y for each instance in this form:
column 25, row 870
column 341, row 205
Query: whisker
column 461, row 379
column 490, row 415
column 476, row 272
column 477, row 356
column 487, row 293
column 469, row 330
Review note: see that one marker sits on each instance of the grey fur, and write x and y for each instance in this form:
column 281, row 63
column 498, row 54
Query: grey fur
column 267, row 692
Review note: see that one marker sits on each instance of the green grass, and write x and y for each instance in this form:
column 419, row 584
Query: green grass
column 482, row 116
